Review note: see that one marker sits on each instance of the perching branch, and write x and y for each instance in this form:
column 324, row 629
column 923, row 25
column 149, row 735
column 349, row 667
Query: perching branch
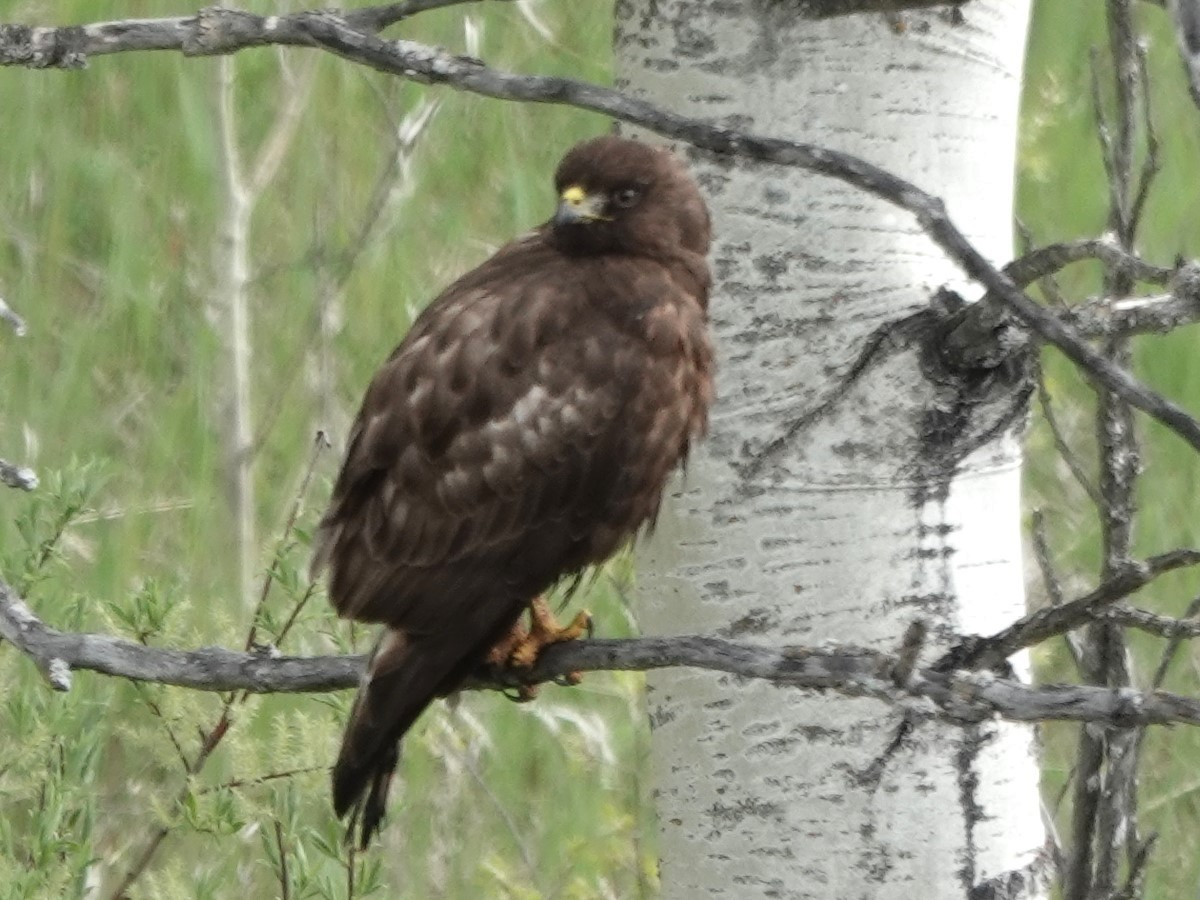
column 963, row 697
column 216, row 31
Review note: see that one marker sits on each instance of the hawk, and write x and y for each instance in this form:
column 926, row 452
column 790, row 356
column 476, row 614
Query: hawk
column 523, row 430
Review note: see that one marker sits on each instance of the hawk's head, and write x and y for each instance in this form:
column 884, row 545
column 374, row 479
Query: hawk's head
column 622, row 196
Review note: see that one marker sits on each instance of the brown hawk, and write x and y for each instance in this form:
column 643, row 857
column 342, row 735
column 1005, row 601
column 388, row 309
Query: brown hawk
column 523, row 430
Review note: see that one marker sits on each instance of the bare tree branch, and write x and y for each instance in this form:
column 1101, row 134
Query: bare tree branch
column 212, row 30
column 1153, row 623
column 1104, row 817
column 1158, row 314
column 1069, row 456
column 963, row 697
column 215, row 31
column 1052, row 258
column 1185, row 16
column 979, row 336
column 989, row 652
column 21, row 477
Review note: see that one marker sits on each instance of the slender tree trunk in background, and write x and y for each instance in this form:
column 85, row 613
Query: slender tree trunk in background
column 233, row 316
column 874, row 514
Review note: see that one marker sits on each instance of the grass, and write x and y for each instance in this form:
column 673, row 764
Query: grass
column 109, row 208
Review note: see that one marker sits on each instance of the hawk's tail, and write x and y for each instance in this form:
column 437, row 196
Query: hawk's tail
column 403, row 677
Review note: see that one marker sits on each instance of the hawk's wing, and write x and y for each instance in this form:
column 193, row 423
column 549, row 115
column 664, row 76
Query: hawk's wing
column 521, row 431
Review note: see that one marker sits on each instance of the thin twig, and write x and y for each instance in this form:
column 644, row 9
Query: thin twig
column 1105, row 814
column 240, row 783
column 285, row 882
column 988, row 652
column 379, row 17
column 320, row 442
column 1048, row 283
column 1150, row 164
column 1052, row 258
column 1068, row 456
column 1178, row 630
column 1152, row 623
column 158, row 713
column 212, row 738
column 1135, row 881
column 1053, row 585
column 1105, row 317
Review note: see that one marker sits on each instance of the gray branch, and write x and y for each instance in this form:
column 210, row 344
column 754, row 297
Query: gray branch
column 992, row 651
column 1052, row 258
column 214, row 30
column 9, row 315
column 1158, row 314
column 979, row 336
column 1151, row 623
column 1185, row 16
column 20, row 477
column 962, row 697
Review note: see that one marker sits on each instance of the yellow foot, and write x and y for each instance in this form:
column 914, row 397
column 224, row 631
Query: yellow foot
column 521, row 647
column 544, row 630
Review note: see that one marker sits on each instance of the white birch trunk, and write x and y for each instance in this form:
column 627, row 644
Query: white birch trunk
column 858, row 527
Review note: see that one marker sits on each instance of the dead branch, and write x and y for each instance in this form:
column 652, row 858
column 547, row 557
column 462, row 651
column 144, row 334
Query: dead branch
column 957, row 696
column 21, row 477
column 1106, row 317
column 989, row 652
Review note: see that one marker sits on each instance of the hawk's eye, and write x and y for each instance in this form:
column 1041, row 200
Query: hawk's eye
column 626, row 197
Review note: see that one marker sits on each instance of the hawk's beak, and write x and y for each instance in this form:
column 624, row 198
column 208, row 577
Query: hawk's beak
column 576, row 206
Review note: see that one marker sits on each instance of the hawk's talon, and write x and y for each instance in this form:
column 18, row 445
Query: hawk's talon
column 544, row 631
column 521, row 647
column 522, row 693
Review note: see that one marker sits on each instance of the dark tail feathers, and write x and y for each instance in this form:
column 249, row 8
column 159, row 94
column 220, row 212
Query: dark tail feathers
column 403, row 677
column 401, row 680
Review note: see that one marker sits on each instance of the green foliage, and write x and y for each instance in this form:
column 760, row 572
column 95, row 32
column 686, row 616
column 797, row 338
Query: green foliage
column 1063, row 195
column 49, row 779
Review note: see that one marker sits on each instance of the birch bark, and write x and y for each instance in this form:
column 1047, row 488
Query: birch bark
column 867, row 517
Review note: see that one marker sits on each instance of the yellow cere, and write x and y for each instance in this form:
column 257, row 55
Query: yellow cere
column 574, row 195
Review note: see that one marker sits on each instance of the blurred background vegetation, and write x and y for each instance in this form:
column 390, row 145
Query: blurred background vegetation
column 1062, row 194
column 111, row 208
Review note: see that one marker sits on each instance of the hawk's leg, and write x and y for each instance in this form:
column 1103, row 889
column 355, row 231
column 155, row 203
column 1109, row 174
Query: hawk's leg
column 520, row 648
column 545, row 630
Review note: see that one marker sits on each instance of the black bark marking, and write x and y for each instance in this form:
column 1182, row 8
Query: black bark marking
column 973, row 740
column 970, row 409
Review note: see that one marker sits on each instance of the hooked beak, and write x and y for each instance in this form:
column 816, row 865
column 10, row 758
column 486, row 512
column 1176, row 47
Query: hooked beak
column 576, row 207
